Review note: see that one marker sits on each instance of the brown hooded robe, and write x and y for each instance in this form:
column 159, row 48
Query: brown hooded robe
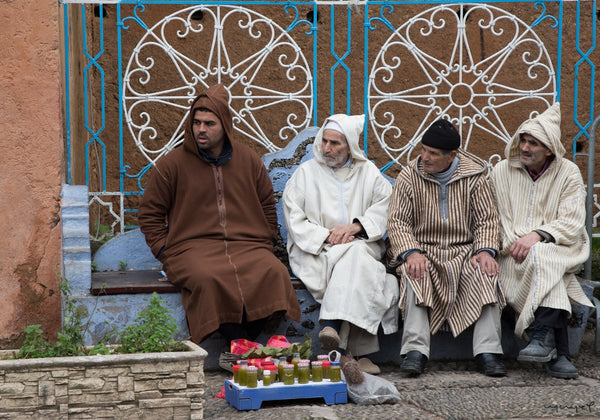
column 218, row 243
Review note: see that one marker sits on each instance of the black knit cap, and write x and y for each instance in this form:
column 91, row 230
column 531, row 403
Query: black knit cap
column 441, row 135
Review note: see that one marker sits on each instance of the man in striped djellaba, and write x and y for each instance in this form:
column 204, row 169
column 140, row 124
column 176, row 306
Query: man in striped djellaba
column 443, row 231
column 541, row 202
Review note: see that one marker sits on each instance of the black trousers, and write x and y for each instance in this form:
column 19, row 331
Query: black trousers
column 558, row 320
column 248, row 330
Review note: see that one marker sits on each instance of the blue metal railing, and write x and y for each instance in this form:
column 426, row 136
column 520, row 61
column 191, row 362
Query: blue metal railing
column 379, row 19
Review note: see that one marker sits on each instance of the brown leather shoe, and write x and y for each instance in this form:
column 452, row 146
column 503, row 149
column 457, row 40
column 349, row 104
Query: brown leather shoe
column 369, row 367
column 329, row 339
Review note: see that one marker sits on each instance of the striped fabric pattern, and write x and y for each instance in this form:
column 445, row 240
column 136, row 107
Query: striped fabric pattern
column 555, row 203
column 454, row 291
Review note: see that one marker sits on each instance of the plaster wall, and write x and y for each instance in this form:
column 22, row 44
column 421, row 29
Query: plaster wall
column 31, row 166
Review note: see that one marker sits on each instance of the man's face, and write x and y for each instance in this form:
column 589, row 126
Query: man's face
column 208, row 132
column 533, row 153
column 436, row 160
column 335, row 148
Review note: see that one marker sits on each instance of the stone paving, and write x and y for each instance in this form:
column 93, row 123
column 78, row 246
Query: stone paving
column 448, row 390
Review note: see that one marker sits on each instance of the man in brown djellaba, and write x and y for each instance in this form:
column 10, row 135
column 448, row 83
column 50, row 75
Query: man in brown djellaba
column 208, row 214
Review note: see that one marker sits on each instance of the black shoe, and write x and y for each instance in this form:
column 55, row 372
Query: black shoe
column 413, row 363
column 490, row 364
column 562, row 367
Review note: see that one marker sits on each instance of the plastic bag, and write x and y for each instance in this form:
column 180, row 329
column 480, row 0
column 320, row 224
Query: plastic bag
column 373, row 390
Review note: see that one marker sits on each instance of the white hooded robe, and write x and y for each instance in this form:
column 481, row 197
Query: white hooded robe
column 348, row 280
column 554, row 203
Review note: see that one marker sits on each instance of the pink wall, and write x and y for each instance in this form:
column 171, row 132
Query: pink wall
column 31, row 166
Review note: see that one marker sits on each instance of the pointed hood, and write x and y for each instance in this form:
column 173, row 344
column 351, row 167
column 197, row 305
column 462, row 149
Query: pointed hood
column 352, row 126
column 545, row 127
column 216, row 99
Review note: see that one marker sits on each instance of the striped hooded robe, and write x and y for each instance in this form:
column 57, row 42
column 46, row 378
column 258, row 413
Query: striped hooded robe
column 554, row 203
column 218, row 242
column 448, row 229
column 348, row 280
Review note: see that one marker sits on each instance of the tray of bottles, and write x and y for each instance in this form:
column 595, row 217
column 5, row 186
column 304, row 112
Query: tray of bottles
column 245, row 398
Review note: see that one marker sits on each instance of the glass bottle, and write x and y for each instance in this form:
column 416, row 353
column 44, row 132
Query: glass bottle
column 295, row 361
column 236, row 374
column 303, row 373
column 317, row 371
column 266, row 380
column 280, row 365
column 335, row 372
column 288, row 374
column 251, row 376
column 242, row 374
column 326, row 365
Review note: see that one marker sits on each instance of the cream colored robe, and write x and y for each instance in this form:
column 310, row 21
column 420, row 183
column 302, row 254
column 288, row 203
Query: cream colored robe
column 348, row 280
column 555, row 203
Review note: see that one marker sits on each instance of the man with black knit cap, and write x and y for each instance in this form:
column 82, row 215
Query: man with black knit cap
column 443, row 230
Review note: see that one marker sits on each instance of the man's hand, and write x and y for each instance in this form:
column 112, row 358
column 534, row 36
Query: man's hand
column 343, row 234
column 521, row 247
column 416, row 266
column 486, row 263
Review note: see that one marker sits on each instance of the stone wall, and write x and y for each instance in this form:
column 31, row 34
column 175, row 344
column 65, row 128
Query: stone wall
column 152, row 385
column 31, row 166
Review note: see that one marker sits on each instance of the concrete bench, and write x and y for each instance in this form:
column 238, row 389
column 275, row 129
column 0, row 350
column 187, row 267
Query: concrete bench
column 127, row 273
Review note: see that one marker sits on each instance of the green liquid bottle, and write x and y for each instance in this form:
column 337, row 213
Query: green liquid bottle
column 266, row 381
column 242, row 373
column 303, row 373
column 317, row 371
column 335, row 372
column 295, row 361
column 252, row 377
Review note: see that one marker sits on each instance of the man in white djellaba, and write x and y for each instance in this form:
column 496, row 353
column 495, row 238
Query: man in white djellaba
column 335, row 208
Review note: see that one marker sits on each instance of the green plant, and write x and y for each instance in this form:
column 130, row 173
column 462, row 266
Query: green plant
column 69, row 340
column 94, row 266
column 35, row 343
column 122, row 266
column 153, row 331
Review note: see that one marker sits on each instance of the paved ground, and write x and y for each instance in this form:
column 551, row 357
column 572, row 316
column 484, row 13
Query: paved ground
column 449, row 390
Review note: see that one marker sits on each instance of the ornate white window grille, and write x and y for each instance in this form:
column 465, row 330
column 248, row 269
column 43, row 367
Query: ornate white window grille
column 239, row 72
column 412, row 72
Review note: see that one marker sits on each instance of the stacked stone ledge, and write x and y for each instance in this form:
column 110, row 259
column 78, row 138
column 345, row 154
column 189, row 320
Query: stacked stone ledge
column 151, row 385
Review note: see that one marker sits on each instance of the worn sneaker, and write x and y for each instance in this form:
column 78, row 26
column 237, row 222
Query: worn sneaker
column 329, row 339
column 562, row 367
column 541, row 347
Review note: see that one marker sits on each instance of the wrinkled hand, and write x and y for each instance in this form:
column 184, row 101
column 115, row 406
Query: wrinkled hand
column 343, row 234
column 521, row 247
column 486, row 263
column 416, row 266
